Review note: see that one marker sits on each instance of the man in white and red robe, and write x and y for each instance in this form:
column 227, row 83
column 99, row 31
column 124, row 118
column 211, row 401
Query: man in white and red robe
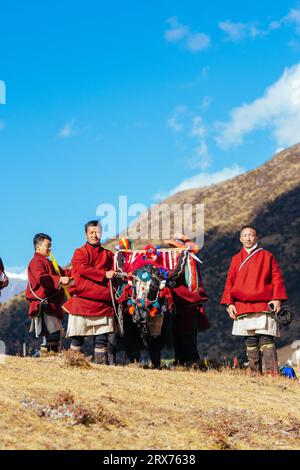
column 45, row 294
column 253, row 291
column 90, row 308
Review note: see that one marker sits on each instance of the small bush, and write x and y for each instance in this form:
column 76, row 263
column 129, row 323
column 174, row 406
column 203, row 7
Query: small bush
column 76, row 359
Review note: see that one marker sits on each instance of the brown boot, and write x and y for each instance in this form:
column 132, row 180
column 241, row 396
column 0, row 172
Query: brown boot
column 270, row 359
column 254, row 356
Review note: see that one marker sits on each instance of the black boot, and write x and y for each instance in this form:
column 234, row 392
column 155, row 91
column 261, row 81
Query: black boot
column 255, row 362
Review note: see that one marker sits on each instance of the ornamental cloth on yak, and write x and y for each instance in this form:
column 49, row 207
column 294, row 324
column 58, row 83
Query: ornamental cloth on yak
column 145, row 295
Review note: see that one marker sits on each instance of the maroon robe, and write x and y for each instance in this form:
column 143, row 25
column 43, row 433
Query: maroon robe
column 45, row 283
column 254, row 285
column 188, row 308
column 91, row 293
column 6, row 280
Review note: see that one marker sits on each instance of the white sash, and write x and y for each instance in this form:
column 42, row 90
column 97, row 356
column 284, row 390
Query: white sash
column 249, row 257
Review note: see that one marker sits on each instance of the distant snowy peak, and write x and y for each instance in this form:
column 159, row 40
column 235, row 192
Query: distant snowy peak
column 17, row 283
column 21, row 276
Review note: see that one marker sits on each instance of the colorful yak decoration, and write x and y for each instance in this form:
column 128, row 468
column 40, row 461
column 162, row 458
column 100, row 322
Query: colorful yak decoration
column 147, row 277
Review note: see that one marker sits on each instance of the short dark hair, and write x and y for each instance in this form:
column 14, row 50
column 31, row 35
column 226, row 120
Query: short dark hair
column 249, row 226
column 39, row 237
column 92, row 223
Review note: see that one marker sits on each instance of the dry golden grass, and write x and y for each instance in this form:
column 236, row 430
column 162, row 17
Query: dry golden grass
column 133, row 408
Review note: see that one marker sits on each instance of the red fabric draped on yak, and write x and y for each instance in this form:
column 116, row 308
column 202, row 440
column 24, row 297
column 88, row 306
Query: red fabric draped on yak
column 250, row 287
column 188, row 308
column 91, row 293
column 45, row 283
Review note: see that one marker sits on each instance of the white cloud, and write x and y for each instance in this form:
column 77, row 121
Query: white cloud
column 256, row 32
column 67, row 130
column 194, row 42
column 173, row 121
column 202, row 158
column 238, row 31
column 197, row 42
column 293, row 18
column 274, row 25
column 174, row 125
column 198, row 129
column 234, row 31
column 177, row 31
column 183, row 120
column 201, row 180
column 206, row 102
column 278, row 110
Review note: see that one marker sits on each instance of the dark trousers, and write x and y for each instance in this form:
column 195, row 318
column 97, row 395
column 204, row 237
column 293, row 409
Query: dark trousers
column 258, row 340
column 100, row 341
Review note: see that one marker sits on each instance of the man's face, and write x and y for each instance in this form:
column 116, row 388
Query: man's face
column 248, row 238
column 93, row 235
column 44, row 248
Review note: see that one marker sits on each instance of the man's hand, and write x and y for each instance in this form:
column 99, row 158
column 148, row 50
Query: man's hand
column 275, row 305
column 231, row 311
column 64, row 280
column 110, row 274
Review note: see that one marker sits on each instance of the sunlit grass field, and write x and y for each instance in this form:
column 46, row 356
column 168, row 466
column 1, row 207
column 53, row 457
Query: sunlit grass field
column 135, row 408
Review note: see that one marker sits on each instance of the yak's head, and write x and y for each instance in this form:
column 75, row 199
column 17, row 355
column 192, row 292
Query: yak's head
column 147, row 283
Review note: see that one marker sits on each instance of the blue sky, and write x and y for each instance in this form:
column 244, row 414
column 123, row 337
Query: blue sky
column 136, row 98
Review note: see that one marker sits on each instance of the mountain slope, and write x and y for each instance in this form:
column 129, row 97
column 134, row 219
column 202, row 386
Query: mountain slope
column 267, row 197
column 17, row 284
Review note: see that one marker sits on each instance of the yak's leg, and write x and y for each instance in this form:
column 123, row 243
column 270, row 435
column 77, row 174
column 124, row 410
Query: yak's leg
column 155, row 346
column 131, row 341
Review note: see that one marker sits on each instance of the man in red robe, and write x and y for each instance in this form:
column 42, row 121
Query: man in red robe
column 4, row 281
column 254, row 289
column 45, row 294
column 90, row 309
column 190, row 316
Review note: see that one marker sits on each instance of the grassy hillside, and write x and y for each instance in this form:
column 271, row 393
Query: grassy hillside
column 134, row 408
